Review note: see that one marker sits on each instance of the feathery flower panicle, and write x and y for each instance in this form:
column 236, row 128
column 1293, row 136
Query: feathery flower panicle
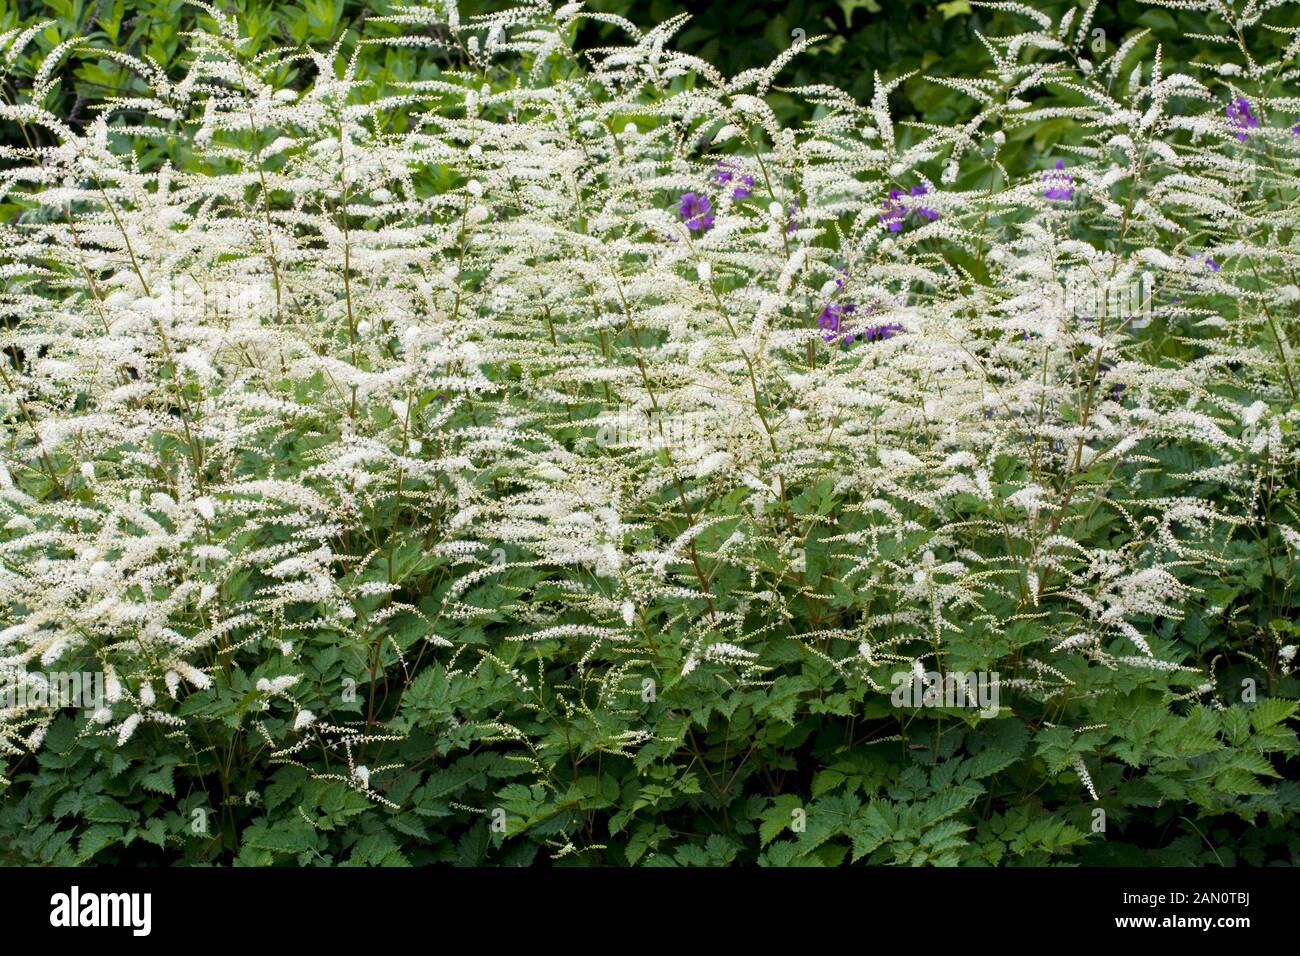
column 301, row 405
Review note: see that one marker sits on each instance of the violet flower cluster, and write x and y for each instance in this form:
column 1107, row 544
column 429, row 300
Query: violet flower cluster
column 695, row 210
column 727, row 172
column 835, row 316
column 1059, row 183
column 894, row 210
column 1241, row 117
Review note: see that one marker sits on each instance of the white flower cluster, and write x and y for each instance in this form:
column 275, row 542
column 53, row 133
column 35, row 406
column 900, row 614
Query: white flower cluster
column 248, row 402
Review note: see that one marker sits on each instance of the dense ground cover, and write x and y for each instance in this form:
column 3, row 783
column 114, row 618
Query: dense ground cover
column 512, row 439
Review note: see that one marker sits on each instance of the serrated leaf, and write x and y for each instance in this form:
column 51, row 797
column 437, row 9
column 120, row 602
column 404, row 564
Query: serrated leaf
column 1271, row 711
column 777, row 818
column 160, row 780
column 1238, row 782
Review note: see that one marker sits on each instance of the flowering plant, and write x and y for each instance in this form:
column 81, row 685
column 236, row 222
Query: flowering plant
column 304, row 454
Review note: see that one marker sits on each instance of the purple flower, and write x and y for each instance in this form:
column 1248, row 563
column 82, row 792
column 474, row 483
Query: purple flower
column 894, row 211
column 885, row 331
column 929, row 215
column 1059, row 183
column 792, row 211
column 1214, row 266
column 835, row 321
column 726, row 171
column 1115, row 390
column 1240, row 116
column 832, row 321
column 694, row 208
column 1295, row 130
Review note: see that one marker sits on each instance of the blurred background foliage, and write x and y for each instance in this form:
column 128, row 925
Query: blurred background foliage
column 925, row 37
column 863, row 38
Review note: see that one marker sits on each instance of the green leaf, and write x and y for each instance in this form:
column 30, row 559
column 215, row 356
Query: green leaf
column 107, row 810
column 777, row 818
column 1270, row 711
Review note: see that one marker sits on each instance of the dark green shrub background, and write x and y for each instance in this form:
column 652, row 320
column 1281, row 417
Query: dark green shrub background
column 891, row 37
